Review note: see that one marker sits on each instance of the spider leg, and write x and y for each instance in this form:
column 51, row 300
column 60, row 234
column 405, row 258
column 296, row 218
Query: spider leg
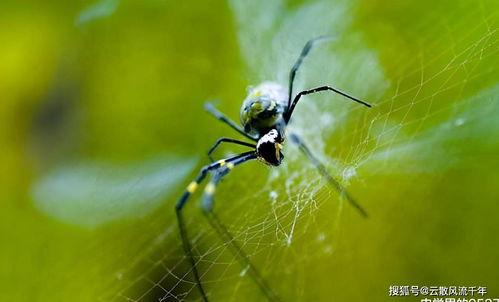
column 221, row 229
column 219, row 115
column 322, row 170
column 289, row 112
column 191, row 188
column 306, row 49
column 227, row 140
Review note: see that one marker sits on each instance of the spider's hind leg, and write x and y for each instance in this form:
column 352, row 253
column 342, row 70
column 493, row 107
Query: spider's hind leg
column 291, row 108
column 306, row 49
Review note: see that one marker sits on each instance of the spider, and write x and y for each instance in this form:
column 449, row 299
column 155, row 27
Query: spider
column 265, row 113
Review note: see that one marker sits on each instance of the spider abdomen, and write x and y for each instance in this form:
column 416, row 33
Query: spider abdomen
column 263, row 108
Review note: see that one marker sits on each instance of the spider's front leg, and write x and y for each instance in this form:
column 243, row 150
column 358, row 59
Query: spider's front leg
column 191, row 188
column 227, row 140
column 209, row 190
column 223, row 232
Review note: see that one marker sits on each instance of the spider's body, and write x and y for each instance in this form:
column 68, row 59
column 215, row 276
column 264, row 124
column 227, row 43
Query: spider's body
column 262, row 116
column 263, row 109
column 265, row 113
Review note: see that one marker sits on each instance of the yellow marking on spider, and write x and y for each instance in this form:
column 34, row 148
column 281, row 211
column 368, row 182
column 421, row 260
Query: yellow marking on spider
column 256, row 106
column 272, row 105
column 245, row 116
column 256, row 94
column 210, row 188
column 230, row 166
column 192, row 187
column 222, row 163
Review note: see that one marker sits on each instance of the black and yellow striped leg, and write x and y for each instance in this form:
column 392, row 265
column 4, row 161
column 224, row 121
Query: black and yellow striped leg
column 191, row 188
column 221, row 229
column 209, row 190
column 227, row 140
column 322, row 170
column 188, row 251
column 219, row 115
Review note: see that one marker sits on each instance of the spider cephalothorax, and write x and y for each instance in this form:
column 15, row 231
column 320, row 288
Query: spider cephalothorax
column 265, row 113
column 268, row 148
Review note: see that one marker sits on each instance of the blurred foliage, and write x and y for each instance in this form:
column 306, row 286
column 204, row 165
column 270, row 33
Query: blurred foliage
column 105, row 86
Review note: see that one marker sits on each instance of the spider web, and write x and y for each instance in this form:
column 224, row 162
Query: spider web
column 305, row 240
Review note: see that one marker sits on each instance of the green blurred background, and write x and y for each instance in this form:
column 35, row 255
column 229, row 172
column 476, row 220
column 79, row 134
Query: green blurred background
column 101, row 127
